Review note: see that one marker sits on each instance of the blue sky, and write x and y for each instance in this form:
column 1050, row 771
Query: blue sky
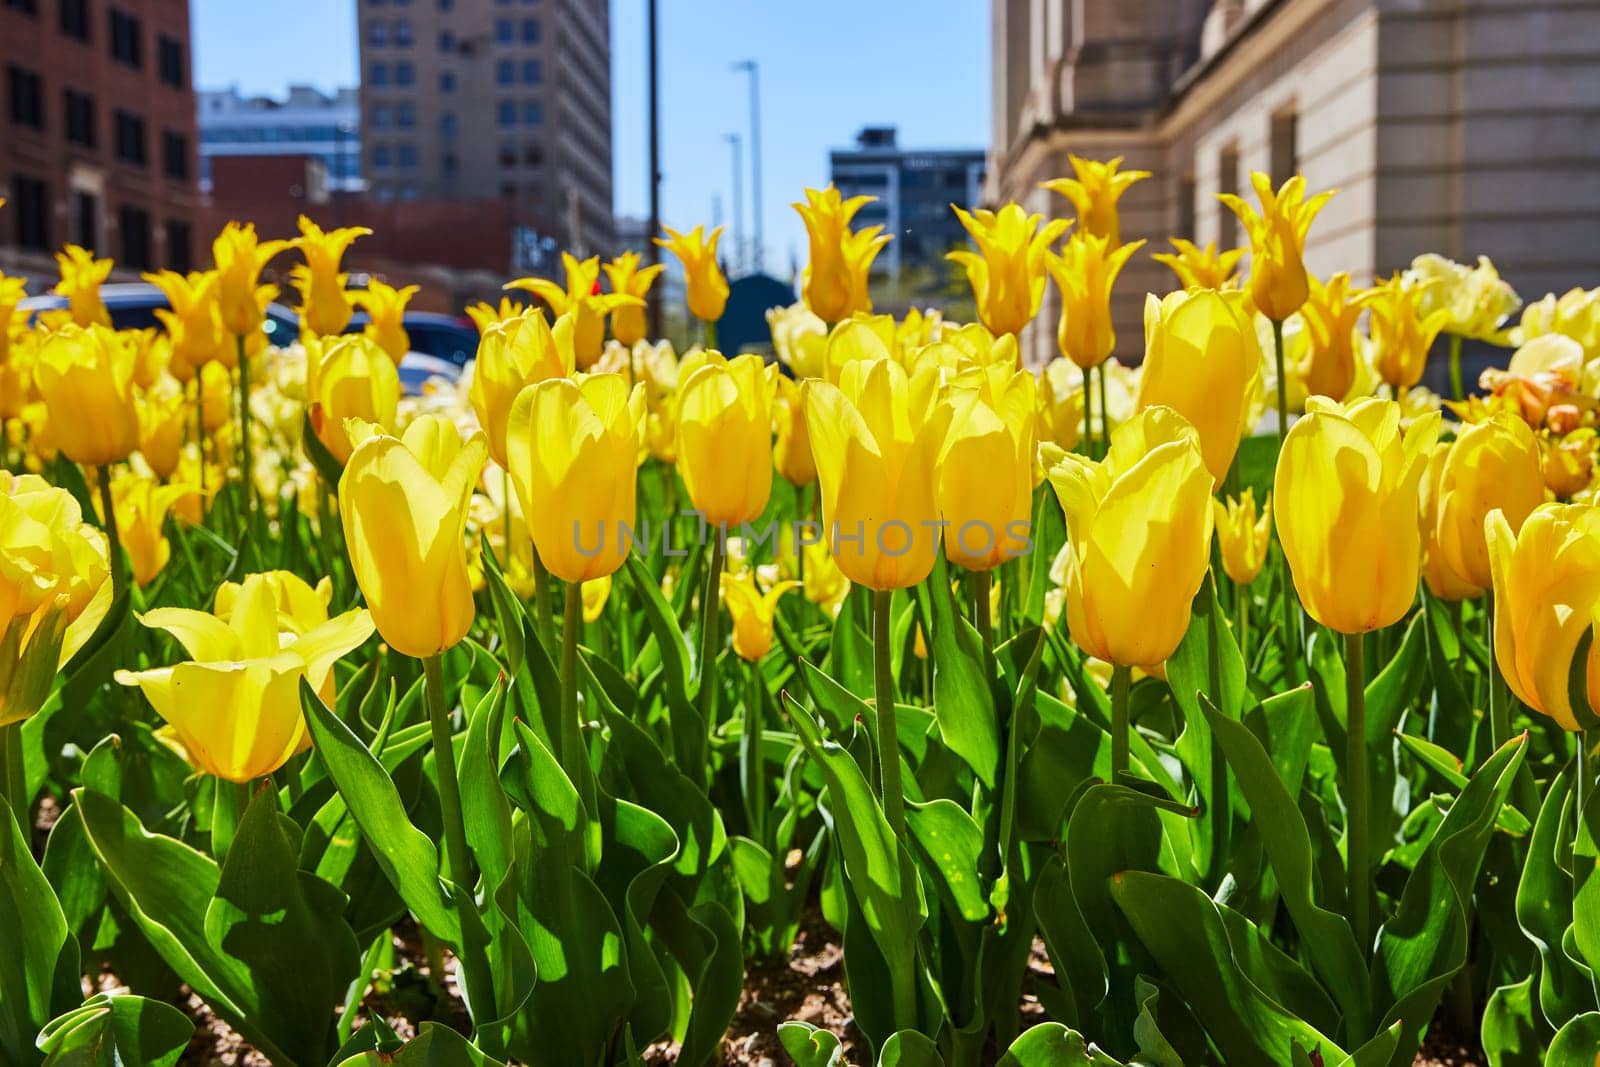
column 828, row 67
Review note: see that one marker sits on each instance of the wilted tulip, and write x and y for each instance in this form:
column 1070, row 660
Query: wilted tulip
column 355, row 380
column 876, row 438
column 1202, row 268
column 386, row 311
column 1085, row 272
column 725, row 422
column 85, row 376
column 708, row 288
column 834, row 282
column 404, row 505
column 1007, row 272
column 753, row 612
column 239, row 257
column 1094, row 192
column 1243, row 536
column 235, row 703
column 1203, row 360
column 1492, row 465
column 81, row 277
column 1277, row 242
column 985, row 471
column 574, row 450
column 325, row 307
column 512, row 354
column 1346, row 489
column 791, row 441
column 1139, row 525
column 628, row 279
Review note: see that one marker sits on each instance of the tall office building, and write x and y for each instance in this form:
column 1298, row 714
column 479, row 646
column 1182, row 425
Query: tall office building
column 97, row 136
column 492, row 98
column 307, row 122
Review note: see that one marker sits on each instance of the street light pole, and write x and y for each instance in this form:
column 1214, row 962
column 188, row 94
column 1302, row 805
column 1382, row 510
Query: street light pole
column 737, row 259
column 652, row 251
column 757, row 249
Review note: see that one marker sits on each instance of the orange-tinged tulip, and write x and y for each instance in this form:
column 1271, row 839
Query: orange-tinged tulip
column 1492, row 465
column 404, row 505
column 235, row 703
column 629, row 279
column 1347, row 492
column 1441, row 581
column 1569, row 463
column 355, row 380
column 985, row 471
column 1094, row 192
column 1085, row 272
column 1202, row 267
column 834, row 282
column 239, row 257
column 1401, row 334
column 708, row 287
column 1546, row 581
column 85, row 376
column 1139, row 527
column 724, row 436
column 81, row 278
column 1007, row 272
column 1326, row 362
column 876, row 438
column 753, row 612
column 582, row 301
column 386, row 312
column 1278, row 283
column 1243, row 535
column 325, row 307
column 1203, row 360
column 574, row 449
column 791, row 441
column 512, row 354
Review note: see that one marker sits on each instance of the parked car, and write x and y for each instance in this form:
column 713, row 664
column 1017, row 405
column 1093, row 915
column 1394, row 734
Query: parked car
column 439, row 343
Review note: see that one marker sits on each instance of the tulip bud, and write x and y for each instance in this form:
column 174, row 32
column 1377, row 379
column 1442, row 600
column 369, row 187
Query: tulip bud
column 985, row 472
column 724, row 418
column 791, row 443
column 1242, row 536
column 355, row 380
column 708, row 288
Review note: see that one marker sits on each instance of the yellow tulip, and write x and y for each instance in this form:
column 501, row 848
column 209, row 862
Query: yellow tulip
column 1546, row 581
column 1347, row 492
column 697, row 251
column 1477, row 298
column 1401, row 334
column 1326, row 363
column 325, row 307
column 1203, row 360
column 1493, row 465
column 216, row 395
column 404, row 503
column 1202, row 268
column 1060, row 405
column 194, row 320
column 1441, row 581
column 860, row 338
column 484, row 314
column 16, row 374
column 1575, row 314
column 386, row 310
column 355, row 380
column 627, row 279
column 1242, row 535
column 55, row 588
column 876, row 438
column 12, row 292
column 1277, row 242
column 791, row 443
column 822, row 582
column 753, row 612
column 81, row 278
column 85, row 376
column 1569, row 463
column 513, row 353
column 235, row 703
column 574, row 450
column 1094, row 193
column 239, row 257
column 1007, row 272
column 834, row 282
column 985, row 471
column 1139, row 526
column 580, row 300
column 595, row 595
column 1085, row 272
column 800, row 339
column 724, row 436
column 163, row 418
column 141, row 508
column 301, row 607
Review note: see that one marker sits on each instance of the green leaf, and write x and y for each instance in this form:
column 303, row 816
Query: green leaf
column 1511, row 1028
column 434, row 1046
column 810, row 1046
column 663, row 626
column 1544, row 908
column 39, row 975
column 511, row 618
column 1575, row 1043
column 963, row 700
column 907, row 1048
column 407, row 855
column 951, row 842
column 110, row 1030
column 327, row 466
column 1053, row 1045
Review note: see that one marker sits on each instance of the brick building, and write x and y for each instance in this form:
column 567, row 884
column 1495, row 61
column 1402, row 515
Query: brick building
column 97, row 133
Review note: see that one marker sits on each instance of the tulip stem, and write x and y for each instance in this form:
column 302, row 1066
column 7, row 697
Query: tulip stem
column 1358, row 891
column 542, row 616
column 1456, row 392
column 574, row 754
column 1583, row 787
column 1105, row 411
column 13, row 775
column 708, row 332
column 982, row 582
column 710, row 643
column 755, row 780
column 1088, row 413
column 119, row 576
column 892, row 793
column 1121, row 678
column 1499, row 708
column 1242, row 593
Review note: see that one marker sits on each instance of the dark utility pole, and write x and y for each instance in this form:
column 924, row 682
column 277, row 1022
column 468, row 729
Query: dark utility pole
column 757, row 250
column 652, row 252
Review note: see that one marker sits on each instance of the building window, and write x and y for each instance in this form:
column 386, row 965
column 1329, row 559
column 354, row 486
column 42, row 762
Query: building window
column 505, row 31
column 125, row 43
column 134, row 223
column 447, row 82
column 406, row 156
column 505, row 72
column 530, row 31
column 402, row 32
column 179, row 242
column 170, row 61
column 1186, row 206
column 447, row 124
column 130, row 138
column 380, row 116
column 447, row 164
column 447, row 41
column 1285, row 146
column 79, row 108
column 531, row 73
column 75, row 19
column 27, row 7
column 533, row 155
column 507, row 113
column 405, row 116
column 1227, row 182
column 27, row 97
column 446, row 5
column 508, row 155
column 404, row 74
column 378, row 74
column 30, row 206
column 532, row 113
column 380, row 156
column 83, row 220
column 175, row 155
column 377, row 33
